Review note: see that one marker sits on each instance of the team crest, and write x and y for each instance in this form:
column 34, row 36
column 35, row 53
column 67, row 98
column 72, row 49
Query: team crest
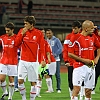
column 34, row 37
column 12, row 42
column 70, row 43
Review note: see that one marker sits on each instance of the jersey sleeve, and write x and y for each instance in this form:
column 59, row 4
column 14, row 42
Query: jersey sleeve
column 42, row 47
column 65, row 49
column 71, row 45
column 96, row 42
column 19, row 38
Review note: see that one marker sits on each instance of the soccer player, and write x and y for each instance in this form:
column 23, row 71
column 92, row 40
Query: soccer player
column 81, row 49
column 76, row 27
column 97, row 68
column 8, row 61
column 48, row 70
column 32, row 42
column 56, row 48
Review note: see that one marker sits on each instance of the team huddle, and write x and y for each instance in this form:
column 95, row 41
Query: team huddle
column 39, row 58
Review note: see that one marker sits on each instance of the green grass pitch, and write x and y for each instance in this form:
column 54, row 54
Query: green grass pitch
column 64, row 95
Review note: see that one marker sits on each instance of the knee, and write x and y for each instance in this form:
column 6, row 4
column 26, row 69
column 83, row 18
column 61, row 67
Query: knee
column 20, row 81
column 11, row 84
column 88, row 93
column 76, row 90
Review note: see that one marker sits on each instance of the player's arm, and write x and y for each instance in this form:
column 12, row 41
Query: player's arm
column 65, row 51
column 42, row 49
column 48, row 57
column 71, row 52
column 97, row 46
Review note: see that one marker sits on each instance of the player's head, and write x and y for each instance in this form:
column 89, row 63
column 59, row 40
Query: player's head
column 76, row 26
column 9, row 28
column 42, row 30
column 49, row 33
column 88, row 27
column 29, row 22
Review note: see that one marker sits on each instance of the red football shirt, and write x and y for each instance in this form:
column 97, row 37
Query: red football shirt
column 83, row 46
column 9, row 50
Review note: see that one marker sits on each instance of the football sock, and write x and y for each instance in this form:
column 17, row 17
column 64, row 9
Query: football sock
column 22, row 91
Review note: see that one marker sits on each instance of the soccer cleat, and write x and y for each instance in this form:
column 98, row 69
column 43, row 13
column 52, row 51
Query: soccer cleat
column 16, row 90
column 3, row 96
column 38, row 95
column 49, row 91
column 59, row 91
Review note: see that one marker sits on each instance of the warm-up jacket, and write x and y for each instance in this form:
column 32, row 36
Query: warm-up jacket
column 31, row 43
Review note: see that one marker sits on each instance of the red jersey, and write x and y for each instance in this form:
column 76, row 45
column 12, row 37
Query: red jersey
column 83, row 46
column 9, row 51
column 31, row 44
column 48, row 49
column 65, row 49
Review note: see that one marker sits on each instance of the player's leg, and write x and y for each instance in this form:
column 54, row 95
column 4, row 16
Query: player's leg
column 70, row 73
column 22, row 73
column 52, row 71
column 3, row 73
column 39, row 85
column 78, row 77
column 32, row 70
column 12, row 72
column 49, row 83
column 89, row 83
column 82, row 91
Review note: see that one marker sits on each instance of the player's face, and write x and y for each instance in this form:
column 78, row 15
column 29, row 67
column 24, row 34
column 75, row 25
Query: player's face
column 28, row 25
column 43, row 31
column 76, row 29
column 9, row 31
column 90, row 29
column 49, row 34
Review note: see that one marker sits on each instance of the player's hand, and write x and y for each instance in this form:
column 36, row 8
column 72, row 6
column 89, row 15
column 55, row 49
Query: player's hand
column 87, row 61
column 67, row 64
column 91, row 64
column 24, row 30
column 49, row 61
column 43, row 63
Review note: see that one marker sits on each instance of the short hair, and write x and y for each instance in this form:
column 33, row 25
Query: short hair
column 76, row 24
column 41, row 28
column 48, row 30
column 10, row 25
column 30, row 19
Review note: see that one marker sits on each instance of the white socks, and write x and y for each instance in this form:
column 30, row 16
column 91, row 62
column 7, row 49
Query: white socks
column 11, row 90
column 4, row 88
column 70, row 92
column 74, row 98
column 22, row 91
column 33, row 92
column 49, row 84
column 39, row 84
column 88, row 98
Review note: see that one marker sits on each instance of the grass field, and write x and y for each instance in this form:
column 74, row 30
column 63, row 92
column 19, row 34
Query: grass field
column 64, row 95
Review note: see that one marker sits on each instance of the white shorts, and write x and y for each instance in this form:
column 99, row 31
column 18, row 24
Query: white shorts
column 28, row 69
column 52, row 68
column 10, row 70
column 86, row 74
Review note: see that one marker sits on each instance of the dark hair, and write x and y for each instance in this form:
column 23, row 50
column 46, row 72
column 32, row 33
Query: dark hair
column 41, row 28
column 30, row 19
column 76, row 24
column 9, row 25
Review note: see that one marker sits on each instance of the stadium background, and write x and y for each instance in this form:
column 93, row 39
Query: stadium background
column 57, row 15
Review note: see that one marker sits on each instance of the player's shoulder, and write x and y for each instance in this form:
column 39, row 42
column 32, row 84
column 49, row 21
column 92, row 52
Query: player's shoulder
column 3, row 36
